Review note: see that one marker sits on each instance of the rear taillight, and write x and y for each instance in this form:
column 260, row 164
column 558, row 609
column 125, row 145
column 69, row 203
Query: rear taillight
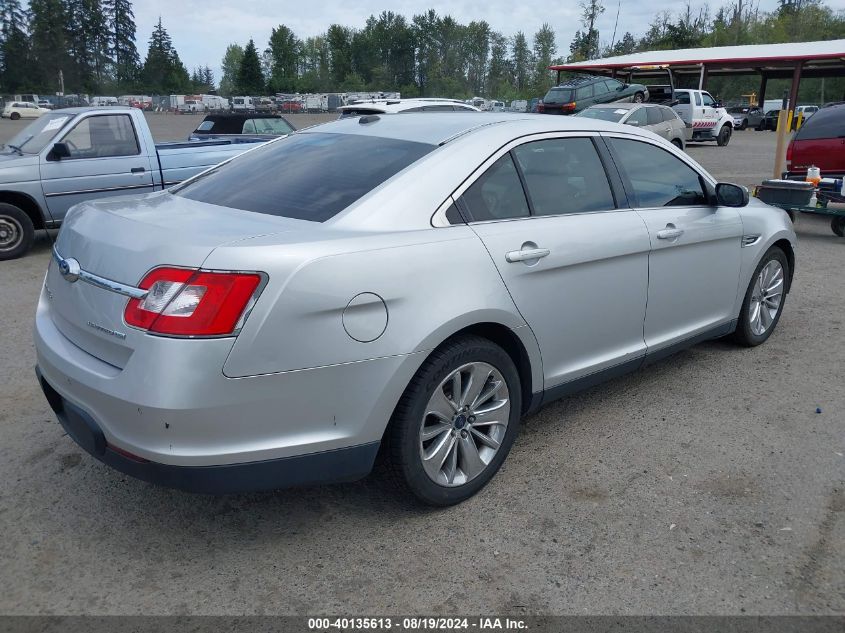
column 568, row 107
column 184, row 302
column 541, row 107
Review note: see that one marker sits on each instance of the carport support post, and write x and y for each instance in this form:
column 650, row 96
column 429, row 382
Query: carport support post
column 702, row 77
column 761, row 96
column 785, row 122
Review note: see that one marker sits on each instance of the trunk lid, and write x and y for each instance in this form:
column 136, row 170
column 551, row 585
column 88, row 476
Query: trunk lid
column 122, row 239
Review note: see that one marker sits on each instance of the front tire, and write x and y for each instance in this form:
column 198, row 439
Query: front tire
column 14, row 116
column 16, row 232
column 678, row 143
column 764, row 299
column 456, row 421
column 724, row 136
column 639, row 97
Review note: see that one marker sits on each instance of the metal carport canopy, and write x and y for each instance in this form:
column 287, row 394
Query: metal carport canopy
column 770, row 61
column 816, row 58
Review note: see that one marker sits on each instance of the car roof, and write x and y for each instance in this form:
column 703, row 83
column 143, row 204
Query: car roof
column 397, row 105
column 77, row 110
column 441, row 127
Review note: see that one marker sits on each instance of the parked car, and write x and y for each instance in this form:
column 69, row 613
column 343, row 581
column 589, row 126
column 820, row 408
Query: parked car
column 806, row 111
column 22, row 110
column 580, row 93
column 395, row 106
column 70, row 156
column 656, row 118
column 216, row 125
column 746, row 116
column 769, row 121
column 232, row 333
column 190, row 106
column 709, row 120
column 497, row 106
column 819, row 143
column 44, row 103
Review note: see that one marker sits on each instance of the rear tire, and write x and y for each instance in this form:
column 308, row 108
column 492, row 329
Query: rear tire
column 442, row 448
column 764, row 299
column 724, row 136
column 14, row 116
column 837, row 225
column 16, row 232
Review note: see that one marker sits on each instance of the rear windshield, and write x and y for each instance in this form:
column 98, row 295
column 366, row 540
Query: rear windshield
column 558, row 95
column 614, row 115
column 304, row 176
column 826, row 123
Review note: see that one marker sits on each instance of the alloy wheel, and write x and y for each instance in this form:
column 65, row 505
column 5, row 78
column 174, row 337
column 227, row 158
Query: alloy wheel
column 464, row 424
column 766, row 297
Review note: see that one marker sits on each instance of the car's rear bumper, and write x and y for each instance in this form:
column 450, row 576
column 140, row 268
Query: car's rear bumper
column 344, row 464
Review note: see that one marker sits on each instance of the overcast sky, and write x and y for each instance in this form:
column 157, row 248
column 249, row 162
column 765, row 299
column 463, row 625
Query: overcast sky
column 201, row 29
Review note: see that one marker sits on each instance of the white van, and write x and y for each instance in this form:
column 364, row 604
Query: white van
column 706, row 120
column 242, row 103
column 104, row 101
column 519, row 105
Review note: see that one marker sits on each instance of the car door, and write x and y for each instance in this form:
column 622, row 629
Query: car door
column 583, row 97
column 107, row 158
column 695, row 246
column 600, row 92
column 572, row 255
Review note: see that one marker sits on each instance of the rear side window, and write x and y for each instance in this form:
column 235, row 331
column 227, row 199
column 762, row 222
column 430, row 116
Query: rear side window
column 826, row 123
column 668, row 114
column 266, row 126
column 304, row 176
column 639, row 117
column 584, row 92
column 654, row 116
column 564, row 176
column 658, row 178
column 497, row 194
column 682, row 97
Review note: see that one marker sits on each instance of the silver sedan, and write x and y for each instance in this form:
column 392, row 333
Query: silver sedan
column 412, row 285
column 660, row 119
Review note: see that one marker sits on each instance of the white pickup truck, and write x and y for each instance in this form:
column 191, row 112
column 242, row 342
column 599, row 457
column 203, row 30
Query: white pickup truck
column 67, row 156
column 706, row 120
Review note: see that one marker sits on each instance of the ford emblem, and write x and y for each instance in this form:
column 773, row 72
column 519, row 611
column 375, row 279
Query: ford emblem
column 69, row 269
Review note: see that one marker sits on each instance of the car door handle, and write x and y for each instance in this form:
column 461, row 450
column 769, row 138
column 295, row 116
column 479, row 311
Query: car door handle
column 138, row 170
column 669, row 234
column 526, row 254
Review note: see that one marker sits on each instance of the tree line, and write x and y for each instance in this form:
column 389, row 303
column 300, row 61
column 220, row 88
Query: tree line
column 91, row 45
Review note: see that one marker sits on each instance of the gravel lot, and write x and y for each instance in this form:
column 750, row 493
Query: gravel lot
column 705, row 484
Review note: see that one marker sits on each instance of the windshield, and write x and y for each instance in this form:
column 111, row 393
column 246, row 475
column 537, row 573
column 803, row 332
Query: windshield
column 614, row 115
column 304, row 176
column 35, row 136
column 558, row 95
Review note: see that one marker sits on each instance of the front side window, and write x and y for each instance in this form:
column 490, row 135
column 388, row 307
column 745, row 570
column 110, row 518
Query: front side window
column 102, row 136
column 266, row 126
column 497, row 194
column 599, row 88
column 312, row 176
column 709, row 101
column 613, row 85
column 658, row 178
column 564, row 176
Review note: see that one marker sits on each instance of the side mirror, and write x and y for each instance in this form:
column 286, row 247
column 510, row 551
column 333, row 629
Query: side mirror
column 731, row 195
column 59, row 151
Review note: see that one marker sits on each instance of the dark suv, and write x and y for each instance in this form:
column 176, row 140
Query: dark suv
column 579, row 94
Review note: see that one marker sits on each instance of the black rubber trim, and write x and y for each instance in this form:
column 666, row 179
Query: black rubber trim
column 340, row 465
column 574, row 386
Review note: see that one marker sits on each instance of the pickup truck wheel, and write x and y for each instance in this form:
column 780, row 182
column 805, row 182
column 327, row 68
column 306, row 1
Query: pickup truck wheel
column 16, row 232
column 837, row 225
column 14, row 116
column 724, row 135
column 639, row 97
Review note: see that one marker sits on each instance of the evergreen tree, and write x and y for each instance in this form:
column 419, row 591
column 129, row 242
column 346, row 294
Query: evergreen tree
column 163, row 71
column 284, row 52
column 544, row 52
column 250, row 79
column 15, row 61
column 47, row 25
column 521, row 62
column 120, row 22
